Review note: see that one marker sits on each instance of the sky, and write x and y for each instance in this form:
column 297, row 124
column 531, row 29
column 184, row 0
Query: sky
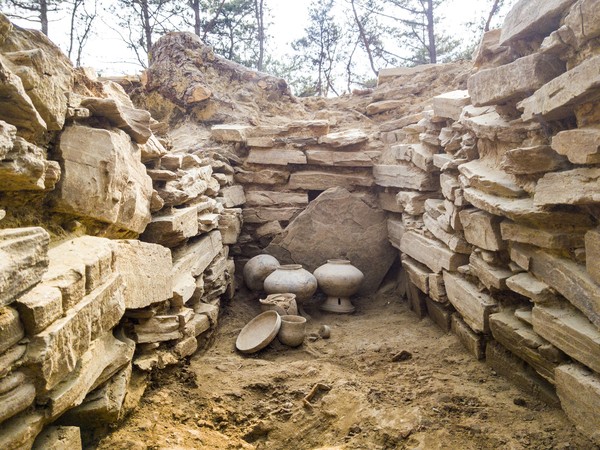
column 109, row 55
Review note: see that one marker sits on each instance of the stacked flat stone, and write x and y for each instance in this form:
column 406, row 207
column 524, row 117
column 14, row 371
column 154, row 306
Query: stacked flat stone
column 510, row 240
column 288, row 164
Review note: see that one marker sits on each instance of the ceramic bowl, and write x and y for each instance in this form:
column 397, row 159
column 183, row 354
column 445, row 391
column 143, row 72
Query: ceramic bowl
column 259, row 332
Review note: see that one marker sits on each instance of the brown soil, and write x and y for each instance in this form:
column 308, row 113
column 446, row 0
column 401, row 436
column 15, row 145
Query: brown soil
column 390, row 381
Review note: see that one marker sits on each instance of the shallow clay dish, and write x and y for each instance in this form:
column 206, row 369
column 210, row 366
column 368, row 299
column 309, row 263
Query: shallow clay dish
column 259, row 332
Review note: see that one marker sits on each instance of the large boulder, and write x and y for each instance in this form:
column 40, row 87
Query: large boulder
column 103, row 178
column 339, row 224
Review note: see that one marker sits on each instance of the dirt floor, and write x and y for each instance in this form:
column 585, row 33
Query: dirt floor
column 384, row 379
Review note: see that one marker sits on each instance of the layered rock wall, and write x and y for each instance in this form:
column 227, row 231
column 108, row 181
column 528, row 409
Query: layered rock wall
column 493, row 205
column 88, row 310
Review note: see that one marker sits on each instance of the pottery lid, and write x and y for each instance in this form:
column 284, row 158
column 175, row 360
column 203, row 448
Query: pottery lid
column 259, row 332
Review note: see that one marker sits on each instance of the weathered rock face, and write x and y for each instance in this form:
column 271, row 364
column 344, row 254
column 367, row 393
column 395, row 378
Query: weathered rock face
column 338, row 224
column 103, row 178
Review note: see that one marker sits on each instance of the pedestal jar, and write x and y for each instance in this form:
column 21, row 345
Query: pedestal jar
column 293, row 279
column 257, row 269
column 339, row 280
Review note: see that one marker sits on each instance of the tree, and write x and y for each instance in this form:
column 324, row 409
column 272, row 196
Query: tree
column 319, row 48
column 33, row 11
column 143, row 20
column 82, row 16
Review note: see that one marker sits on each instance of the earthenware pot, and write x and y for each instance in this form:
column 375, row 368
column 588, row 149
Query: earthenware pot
column 292, row 330
column 339, row 280
column 283, row 304
column 257, row 269
column 294, row 279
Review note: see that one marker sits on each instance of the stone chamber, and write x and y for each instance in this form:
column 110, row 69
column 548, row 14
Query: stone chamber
column 468, row 192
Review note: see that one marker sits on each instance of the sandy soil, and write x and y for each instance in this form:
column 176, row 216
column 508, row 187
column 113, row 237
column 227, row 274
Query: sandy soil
column 373, row 396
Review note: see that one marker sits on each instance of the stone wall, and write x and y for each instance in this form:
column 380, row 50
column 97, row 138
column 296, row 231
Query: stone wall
column 493, row 204
column 87, row 310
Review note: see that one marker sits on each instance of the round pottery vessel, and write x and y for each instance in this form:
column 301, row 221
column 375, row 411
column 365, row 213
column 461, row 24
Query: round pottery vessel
column 292, row 331
column 257, row 269
column 339, row 280
column 283, row 304
column 292, row 278
column 259, row 332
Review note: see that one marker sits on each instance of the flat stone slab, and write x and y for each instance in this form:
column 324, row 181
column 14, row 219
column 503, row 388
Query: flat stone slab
column 580, row 146
column 569, row 330
column 345, row 138
column 320, row 181
column 540, row 237
column 23, row 260
column 556, row 99
column 571, row 187
column 474, row 306
column 482, row 229
column 276, row 156
column 579, row 393
column 431, row 252
column 532, row 160
column 519, row 79
column 406, row 176
column 450, row 104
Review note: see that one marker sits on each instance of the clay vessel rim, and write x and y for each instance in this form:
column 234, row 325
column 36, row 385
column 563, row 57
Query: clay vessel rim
column 290, row 318
column 290, row 267
column 338, row 261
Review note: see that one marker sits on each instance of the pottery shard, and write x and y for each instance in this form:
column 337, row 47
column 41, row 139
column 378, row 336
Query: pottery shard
column 524, row 342
column 556, row 99
column 482, row 229
column 567, row 277
column 450, row 104
column 172, row 229
column 39, row 307
column 405, row 175
column 519, row 79
column 344, row 138
column 527, row 19
column 339, row 224
column 580, row 146
column 579, row 393
column 570, row 331
column 320, row 181
column 474, row 306
column 105, row 356
column 532, row 160
column 56, row 351
column 146, row 271
column 23, row 260
column 103, row 178
column 571, row 187
column 431, row 252
column 58, row 438
column 273, row 198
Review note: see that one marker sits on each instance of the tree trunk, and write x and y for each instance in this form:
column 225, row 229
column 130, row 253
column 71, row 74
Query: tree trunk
column 431, row 33
column 147, row 27
column 196, row 10
column 363, row 38
column 260, row 22
column 44, row 16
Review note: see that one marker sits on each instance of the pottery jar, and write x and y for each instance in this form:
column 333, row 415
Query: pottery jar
column 283, row 304
column 339, row 280
column 294, row 279
column 257, row 269
column 292, row 330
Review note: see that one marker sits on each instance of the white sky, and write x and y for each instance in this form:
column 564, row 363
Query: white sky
column 109, row 55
